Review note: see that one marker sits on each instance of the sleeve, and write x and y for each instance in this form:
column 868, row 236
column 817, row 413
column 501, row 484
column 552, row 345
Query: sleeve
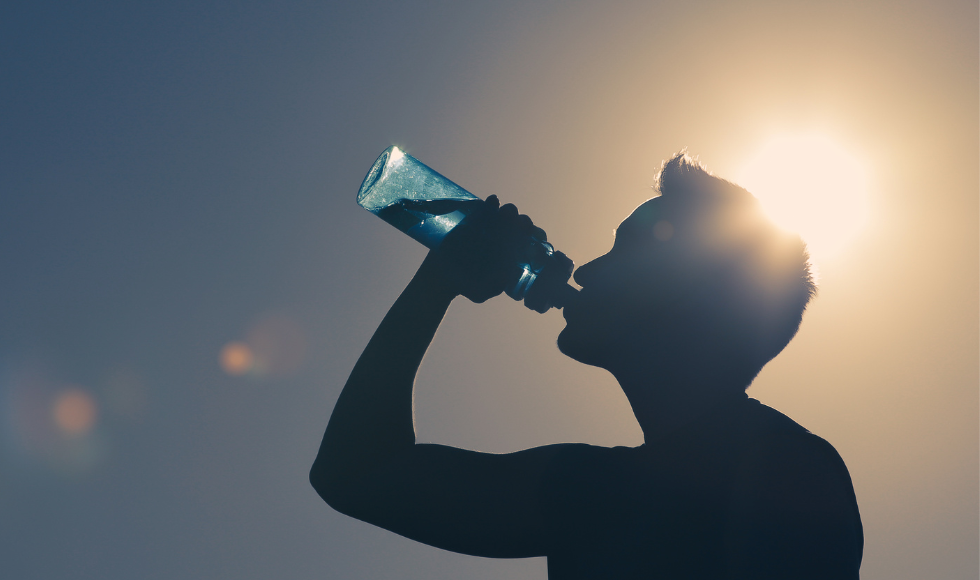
column 794, row 514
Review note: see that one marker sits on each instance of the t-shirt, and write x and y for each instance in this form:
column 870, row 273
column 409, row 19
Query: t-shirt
column 741, row 492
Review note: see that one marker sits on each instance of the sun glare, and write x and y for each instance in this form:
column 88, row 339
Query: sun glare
column 810, row 185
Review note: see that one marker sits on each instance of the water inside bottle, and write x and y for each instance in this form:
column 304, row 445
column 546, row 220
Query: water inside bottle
column 428, row 220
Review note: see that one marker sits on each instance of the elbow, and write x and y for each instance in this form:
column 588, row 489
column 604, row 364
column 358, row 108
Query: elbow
column 317, row 481
column 323, row 484
column 330, row 488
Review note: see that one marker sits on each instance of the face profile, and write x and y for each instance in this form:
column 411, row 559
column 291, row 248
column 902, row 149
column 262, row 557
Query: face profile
column 621, row 289
column 697, row 275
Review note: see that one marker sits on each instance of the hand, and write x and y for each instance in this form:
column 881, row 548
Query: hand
column 551, row 288
column 478, row 258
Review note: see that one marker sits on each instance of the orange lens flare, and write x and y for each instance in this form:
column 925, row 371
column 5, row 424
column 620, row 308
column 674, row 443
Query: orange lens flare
column 236, row 358
column 74, row 412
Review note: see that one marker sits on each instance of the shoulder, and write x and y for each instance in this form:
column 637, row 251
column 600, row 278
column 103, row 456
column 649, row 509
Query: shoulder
column 793, row 497
column 780, row 448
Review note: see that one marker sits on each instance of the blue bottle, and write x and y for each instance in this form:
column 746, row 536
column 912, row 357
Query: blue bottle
column 409, row 195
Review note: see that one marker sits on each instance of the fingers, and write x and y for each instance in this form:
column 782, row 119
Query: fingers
column 482, row 255
column 520, row 222
column 528, row 226
column 508, row 211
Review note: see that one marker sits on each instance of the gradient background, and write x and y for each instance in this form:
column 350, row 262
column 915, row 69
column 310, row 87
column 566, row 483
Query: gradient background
column 178, row 175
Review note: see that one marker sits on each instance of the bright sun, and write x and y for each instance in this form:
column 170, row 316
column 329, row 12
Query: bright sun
column 810, row 185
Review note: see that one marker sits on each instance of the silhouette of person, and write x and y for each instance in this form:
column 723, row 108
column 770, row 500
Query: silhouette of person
column 698, row 292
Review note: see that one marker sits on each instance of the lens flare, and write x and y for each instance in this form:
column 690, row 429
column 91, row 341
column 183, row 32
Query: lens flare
column 275, row 346
column 74, row 412
column 663, row 230
column 236, row 358
column 279, row 345
column 810, row 185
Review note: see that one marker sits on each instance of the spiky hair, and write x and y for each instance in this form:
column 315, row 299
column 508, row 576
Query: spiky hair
column 764, row 272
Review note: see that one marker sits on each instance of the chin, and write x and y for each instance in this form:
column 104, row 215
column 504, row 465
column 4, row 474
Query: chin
column 578, row 347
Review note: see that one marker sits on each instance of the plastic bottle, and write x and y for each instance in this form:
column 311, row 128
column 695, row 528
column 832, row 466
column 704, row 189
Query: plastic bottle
column 409, row 195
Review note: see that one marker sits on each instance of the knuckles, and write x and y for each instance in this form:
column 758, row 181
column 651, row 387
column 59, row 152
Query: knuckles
column 479, row 254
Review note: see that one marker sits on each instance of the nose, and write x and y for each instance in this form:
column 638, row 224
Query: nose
column 587, row 273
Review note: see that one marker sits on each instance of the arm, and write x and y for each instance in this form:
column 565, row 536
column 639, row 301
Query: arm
column 372, row 422
column 369, row 466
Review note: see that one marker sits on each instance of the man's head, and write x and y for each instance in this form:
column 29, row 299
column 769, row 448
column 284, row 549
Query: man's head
column 698, row 279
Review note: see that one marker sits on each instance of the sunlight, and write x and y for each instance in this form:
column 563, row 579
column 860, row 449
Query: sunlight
column 810, row 185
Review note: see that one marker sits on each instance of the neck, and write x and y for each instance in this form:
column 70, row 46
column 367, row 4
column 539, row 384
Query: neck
column 665, row 400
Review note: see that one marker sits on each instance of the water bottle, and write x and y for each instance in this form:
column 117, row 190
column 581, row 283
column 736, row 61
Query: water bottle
column 409, row 195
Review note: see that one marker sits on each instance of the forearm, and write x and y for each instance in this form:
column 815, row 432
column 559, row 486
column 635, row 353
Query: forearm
column 372, row 421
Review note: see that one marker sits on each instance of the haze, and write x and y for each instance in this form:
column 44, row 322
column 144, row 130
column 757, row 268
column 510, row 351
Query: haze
column 186, row 280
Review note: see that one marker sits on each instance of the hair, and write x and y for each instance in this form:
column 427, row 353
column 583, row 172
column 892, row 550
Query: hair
column 757, row 277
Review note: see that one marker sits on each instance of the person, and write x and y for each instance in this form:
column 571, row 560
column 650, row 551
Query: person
column 698, row 292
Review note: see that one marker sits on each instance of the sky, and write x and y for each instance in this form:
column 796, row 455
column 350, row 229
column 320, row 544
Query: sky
column 186, row 280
